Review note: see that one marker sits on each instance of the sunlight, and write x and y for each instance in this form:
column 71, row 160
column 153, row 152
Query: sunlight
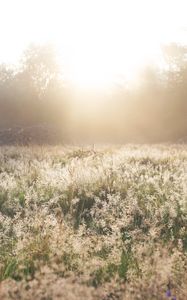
column 105, row 39
column 97, row 40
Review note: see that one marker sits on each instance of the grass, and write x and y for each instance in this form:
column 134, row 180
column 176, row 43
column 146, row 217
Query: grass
column 104, row 224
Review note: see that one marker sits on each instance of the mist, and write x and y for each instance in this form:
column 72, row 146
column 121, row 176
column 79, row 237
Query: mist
column 40, row 105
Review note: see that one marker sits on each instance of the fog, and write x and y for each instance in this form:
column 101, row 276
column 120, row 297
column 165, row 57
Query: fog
column 36, row 99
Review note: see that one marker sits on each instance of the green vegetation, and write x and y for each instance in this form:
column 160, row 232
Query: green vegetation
column 104, row 224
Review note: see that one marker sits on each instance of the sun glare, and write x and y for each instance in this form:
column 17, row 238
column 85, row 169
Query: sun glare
column 98, row 40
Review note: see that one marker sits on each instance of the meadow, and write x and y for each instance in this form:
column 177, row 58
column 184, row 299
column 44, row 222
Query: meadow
column 105, row 223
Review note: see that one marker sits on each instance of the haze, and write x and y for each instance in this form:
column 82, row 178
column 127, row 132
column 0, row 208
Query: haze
column 97, row 41
column 109, row 71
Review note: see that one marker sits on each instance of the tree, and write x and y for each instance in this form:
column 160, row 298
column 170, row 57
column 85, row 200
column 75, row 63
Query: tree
column 39, row 64
column 176, row 90
column 6, row 79
column 175, row 57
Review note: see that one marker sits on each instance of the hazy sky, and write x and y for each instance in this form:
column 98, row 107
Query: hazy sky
column 104, row 36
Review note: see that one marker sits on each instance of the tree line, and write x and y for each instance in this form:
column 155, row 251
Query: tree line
column 153, row 110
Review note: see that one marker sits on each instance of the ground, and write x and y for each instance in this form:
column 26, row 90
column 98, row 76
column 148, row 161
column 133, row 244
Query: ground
column 108, row 223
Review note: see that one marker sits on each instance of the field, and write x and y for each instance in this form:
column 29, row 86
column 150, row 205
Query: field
column 106, row 223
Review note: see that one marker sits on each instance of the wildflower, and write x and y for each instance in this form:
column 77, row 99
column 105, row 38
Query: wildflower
column 168, row 293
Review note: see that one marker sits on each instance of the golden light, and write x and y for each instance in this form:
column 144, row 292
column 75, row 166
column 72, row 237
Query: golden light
column 98, row 40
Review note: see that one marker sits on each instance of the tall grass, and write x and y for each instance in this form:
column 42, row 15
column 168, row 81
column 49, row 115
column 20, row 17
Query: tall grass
column 104, row 224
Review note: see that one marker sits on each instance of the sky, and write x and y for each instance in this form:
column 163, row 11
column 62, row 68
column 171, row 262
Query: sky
column 97, row 39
